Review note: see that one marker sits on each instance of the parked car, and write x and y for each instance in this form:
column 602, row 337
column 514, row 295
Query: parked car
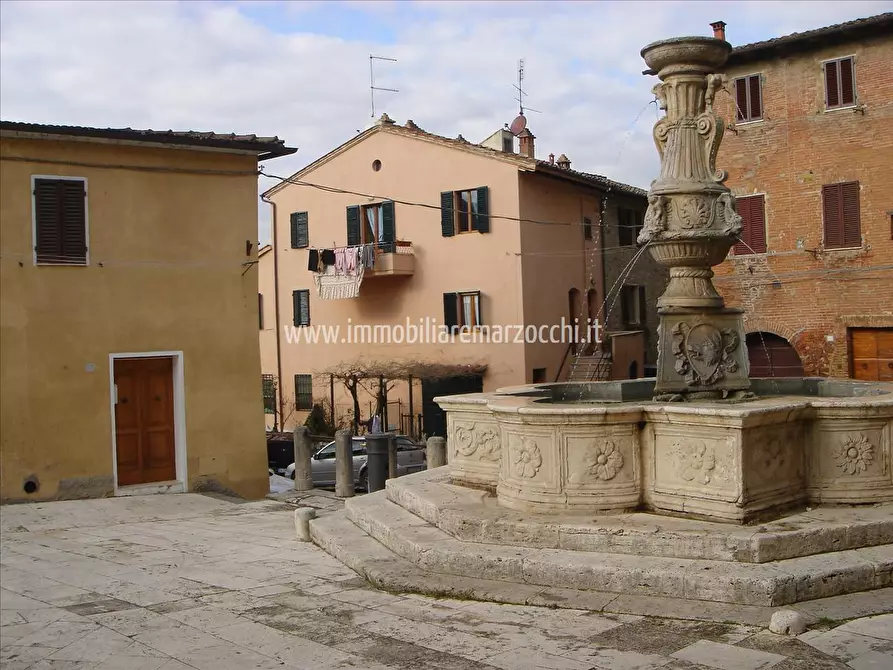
column 411, row 457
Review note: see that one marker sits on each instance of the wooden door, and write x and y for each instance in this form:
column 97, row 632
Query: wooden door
column 144, row 420
column 872, row 354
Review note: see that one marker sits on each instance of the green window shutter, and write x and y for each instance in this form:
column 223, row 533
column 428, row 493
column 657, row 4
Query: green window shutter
column 451, row 309
column 269, row 394
column 353, row 225
column 300, row 234
column 303, row 392
column 481, row 220
column 388, row 234
column 301, row 306
column 447, row 225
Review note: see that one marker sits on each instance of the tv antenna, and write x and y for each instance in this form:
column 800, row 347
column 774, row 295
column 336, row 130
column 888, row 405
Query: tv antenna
column 521, row 92
column 372, row 86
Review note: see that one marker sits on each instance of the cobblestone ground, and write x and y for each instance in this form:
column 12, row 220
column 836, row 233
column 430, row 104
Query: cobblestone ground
column 191, row 581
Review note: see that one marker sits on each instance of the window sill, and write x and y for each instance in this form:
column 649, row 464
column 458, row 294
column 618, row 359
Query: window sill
column 859, row 248
column 71, row 264
column 840, row 109
column 751, row 122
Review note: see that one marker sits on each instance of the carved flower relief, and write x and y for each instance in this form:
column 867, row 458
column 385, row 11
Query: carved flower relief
column 604, row 461
column 526, row 458
column 770, row 455
column 854, row 455
column 694, row 461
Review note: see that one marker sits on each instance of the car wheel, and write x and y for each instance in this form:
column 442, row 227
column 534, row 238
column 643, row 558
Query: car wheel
column 363, row 482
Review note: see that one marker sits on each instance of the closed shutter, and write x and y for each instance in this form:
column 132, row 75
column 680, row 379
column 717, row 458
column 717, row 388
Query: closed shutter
column 832, row 90
column 741, row 99
column 742, row 206
column 60, row 215
column 301, row 306
column 849, row 198
column 388, row 233
column 447, row 225
column 841, row 218
column 756, row 98
column 303, row 392
column 757, row 206
column 300, row 235
column 847, row 85
column 587, row 228
column 353, row 225
column 260, row 311
column 451, row 310
column 481, row 220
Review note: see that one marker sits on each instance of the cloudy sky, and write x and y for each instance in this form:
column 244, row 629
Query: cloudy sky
column 300, row 70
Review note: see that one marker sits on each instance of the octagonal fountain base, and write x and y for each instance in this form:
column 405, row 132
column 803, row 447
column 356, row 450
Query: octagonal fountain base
column 592, row 496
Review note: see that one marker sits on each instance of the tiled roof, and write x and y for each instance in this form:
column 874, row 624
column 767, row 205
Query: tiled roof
column 851, row 30
column 597, row 180
column 265, row 147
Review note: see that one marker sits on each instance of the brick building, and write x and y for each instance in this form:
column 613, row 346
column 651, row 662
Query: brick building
column 809, row 152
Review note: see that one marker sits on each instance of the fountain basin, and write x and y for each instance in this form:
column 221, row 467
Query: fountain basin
column 695, row 54
column 606, row 447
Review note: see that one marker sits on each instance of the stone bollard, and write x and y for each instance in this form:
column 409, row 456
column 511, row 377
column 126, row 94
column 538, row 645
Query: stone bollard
column 376, row 461
column 303, row 454
column 787, row 622
column 344, row 481
column 302, row 522
column 436, row 452
column 392, row 456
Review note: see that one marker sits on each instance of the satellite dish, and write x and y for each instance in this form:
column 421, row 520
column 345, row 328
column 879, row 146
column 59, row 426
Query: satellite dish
column 519, row 124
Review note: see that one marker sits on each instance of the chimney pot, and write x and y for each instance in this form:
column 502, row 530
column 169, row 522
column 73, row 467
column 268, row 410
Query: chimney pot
column 564, row 162
column 719, row 30
column 525, row 143
column 551, row 159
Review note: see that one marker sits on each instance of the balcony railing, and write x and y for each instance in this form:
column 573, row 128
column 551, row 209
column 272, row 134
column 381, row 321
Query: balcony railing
column 392, row 259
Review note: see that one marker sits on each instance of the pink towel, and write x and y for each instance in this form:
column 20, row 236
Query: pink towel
column 350, row 260
column 340, row 260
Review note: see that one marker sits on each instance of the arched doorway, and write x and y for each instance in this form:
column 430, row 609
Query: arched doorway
column 772, row 356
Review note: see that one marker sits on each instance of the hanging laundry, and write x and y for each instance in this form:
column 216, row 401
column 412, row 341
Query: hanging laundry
column 313, row 261
column 328, row 256
column 340, row 260
column 350, row 260
column 330, row 285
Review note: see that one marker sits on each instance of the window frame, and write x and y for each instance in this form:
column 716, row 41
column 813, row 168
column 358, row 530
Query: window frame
column 587, row 228
column 747, row 77
column 297, row 312
column 470, row 214
column 840, row 184
column 295, row 232
column 377, row 222
column 634, row 315
column 56, row 177
column 854, row 103
column 476, row 311
column 637, row 219
column 738, row 198
column 305, row 394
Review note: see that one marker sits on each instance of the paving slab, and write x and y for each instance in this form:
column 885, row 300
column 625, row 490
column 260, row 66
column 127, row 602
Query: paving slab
column 190, row 582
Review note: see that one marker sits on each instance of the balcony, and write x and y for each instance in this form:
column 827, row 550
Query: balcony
column 392, row 259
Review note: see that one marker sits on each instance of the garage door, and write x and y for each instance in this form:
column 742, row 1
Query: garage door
column 871, row 353
column 772, row 356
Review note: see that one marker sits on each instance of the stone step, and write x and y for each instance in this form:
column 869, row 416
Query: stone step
column 596, row 367
column 473, row 515
column 341, row 538
column 767, row 584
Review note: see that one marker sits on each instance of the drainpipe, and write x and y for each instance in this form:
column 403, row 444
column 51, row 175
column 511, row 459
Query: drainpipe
column 276, row 303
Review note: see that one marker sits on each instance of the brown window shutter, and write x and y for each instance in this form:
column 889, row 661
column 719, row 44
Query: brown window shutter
column 74, row 224
column 60, row 221
column 742, row 205
column 832, row 90
column 756, row 98
column 831, row 215
column 847, row 89
column 741, row 99
column 757, row 212
column 851, row 230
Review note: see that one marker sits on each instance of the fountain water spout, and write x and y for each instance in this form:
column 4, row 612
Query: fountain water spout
column 690, row 226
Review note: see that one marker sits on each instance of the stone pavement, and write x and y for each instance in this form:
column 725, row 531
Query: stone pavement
column 189, row 581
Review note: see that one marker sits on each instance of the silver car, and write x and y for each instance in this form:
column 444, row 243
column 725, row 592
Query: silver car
column 411, row 457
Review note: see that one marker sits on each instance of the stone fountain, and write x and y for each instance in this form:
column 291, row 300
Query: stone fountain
column 614, row 496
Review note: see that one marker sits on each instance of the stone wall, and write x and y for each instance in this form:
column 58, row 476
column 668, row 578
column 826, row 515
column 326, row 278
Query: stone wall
column 798, row 290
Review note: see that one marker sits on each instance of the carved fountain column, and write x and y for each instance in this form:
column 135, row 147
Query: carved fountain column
column 691, row 224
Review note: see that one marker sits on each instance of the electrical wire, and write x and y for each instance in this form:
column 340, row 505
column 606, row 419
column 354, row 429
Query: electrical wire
column 138, row 168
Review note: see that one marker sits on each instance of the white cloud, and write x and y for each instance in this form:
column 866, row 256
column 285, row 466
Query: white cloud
column 209, row 66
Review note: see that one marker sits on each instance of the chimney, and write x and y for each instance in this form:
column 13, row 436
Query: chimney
column 551, row 159
column 564, row 162
column 525, row 143
column 719, row 30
